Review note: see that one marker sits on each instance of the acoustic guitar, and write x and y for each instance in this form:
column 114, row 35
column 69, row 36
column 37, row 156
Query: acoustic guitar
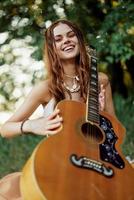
column 84, row 160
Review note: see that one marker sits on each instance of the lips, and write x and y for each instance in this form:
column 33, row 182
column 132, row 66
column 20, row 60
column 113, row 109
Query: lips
column 68, row 48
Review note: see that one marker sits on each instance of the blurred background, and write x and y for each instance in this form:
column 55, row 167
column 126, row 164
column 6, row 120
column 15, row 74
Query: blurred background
column 108, row 26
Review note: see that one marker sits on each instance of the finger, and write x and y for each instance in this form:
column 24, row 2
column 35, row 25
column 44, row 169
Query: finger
column 52, row 132
column 102, row 93
column 53, row 126
column 54, row 114
column 56, row 120
column 49, row 133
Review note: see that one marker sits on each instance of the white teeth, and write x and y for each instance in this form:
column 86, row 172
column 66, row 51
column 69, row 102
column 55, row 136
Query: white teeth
column 68, row 48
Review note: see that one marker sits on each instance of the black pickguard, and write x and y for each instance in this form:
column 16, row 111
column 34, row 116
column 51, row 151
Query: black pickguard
column 108, row 152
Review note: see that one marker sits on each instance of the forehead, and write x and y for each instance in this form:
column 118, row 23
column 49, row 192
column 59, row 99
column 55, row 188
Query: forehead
column 61, row 29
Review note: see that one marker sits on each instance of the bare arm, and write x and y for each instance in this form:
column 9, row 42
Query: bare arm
column 109, row 106
column 40, row 126
column 108, row 100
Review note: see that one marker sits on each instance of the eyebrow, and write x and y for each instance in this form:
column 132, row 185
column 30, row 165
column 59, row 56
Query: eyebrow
column 66, row 33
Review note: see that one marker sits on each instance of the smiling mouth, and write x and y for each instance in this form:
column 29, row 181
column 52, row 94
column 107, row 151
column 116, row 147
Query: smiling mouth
column 68, row 48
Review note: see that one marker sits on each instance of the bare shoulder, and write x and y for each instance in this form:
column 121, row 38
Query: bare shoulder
column 103, row 78
column 41, row 91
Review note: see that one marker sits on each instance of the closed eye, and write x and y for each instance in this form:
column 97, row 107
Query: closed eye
column 58, row 39
column 71, row 34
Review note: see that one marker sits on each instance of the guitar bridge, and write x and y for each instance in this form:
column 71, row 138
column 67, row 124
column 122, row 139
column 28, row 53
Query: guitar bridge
column 86, row 163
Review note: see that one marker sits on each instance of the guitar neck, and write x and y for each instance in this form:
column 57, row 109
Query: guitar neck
column 93, row 97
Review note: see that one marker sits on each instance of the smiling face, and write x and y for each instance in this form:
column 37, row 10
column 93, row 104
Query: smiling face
column 66, row 42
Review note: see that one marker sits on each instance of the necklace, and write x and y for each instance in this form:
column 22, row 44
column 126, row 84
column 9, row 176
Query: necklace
column 75, row 87
column 72, row 77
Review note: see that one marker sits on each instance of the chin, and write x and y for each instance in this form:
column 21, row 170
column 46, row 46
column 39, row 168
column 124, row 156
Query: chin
column 70, row 55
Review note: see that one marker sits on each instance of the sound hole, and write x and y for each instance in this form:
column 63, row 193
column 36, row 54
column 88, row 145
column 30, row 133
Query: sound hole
column 92, row 133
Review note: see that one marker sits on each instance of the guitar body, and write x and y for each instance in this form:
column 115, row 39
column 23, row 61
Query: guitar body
column 68, row 166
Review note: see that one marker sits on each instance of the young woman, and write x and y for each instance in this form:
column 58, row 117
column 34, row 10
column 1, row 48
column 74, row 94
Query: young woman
column 68, row 74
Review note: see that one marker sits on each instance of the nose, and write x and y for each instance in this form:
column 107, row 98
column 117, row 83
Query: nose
column 66, row 40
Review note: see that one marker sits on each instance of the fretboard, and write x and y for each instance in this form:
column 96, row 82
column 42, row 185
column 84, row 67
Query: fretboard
column 92, row 99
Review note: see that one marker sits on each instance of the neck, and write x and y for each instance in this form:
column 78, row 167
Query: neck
column 69, row 68
column 71, row 81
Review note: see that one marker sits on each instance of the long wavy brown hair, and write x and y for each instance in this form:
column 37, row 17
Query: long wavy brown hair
column 55, row 69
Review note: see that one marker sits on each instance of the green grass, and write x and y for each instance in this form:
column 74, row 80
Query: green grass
column 15, row 152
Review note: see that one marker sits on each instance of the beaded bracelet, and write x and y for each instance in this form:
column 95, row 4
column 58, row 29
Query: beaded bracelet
column 21, row 127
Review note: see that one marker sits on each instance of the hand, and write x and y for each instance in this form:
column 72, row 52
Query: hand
column 47, row 125
column 102, row 98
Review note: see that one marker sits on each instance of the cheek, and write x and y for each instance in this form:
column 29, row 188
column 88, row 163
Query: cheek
column 77, row 47
column 77, row 42
column 57, row 46
column 76, row 39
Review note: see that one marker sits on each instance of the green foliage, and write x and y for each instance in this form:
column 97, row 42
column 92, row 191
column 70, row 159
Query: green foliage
column 114, row 41
column 125, row 113
column 106, row 27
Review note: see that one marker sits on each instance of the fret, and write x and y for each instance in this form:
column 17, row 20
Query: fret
column 94, row 119
column 93, row 115
column 94, row 108
column 94, row 76
column 93, row 101
column 94, row 59
column 93, row 90
column 93, row 111
column 93, row 68
column 93, row 83
column 94, row 86
column 94, row 93
column 93, row 98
